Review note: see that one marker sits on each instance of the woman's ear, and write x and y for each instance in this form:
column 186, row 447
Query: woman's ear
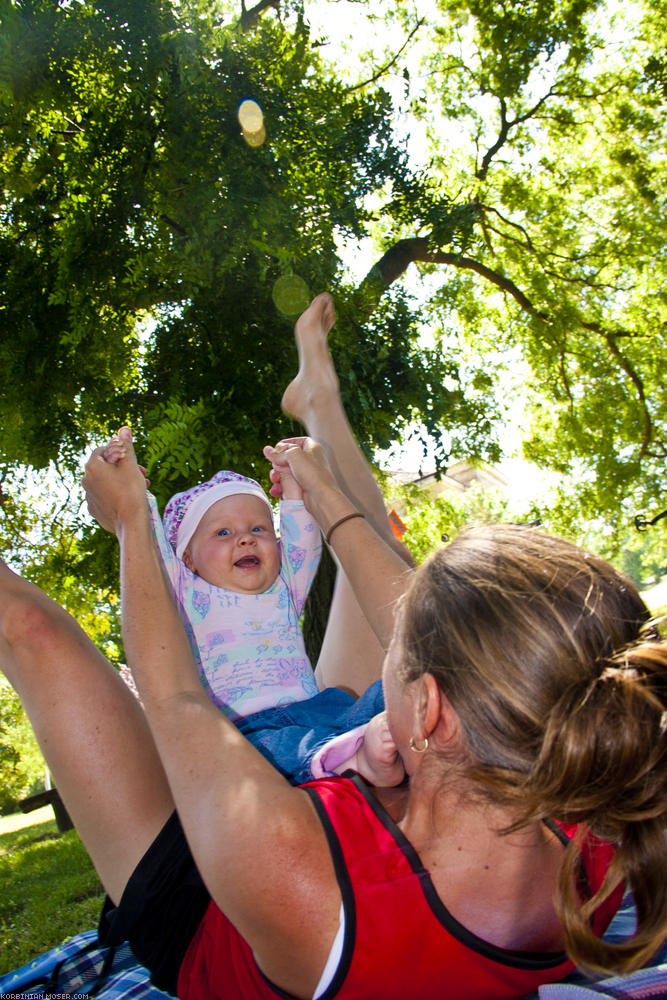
column 438, row 713
column 430, row 698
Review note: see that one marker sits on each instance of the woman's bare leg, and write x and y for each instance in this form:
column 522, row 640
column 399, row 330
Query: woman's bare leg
column 91, row 729
column 351, row 656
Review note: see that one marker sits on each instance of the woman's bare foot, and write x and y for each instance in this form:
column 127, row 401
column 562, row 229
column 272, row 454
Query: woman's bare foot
column 316, row 377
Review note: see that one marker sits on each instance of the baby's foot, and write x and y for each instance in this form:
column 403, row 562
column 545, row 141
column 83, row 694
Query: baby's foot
column 378, row 760
column 316, row 376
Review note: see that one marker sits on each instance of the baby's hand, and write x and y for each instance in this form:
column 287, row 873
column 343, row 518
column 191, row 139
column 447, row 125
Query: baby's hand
column 377, row 758
column 283, row 483
column 115, row 450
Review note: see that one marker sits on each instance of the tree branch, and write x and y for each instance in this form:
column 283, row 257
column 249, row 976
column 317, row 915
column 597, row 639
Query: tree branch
column 392, row 62
column 50, row 221
column 565, row 378
column 505, row 128
column 417, row 250
column 173, row 225
column 632, row 374
column 249, row 19
column 412, row 250
column 543, row 256
column 489, row 209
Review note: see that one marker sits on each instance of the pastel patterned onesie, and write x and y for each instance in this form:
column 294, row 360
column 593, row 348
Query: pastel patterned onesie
column 249, row 648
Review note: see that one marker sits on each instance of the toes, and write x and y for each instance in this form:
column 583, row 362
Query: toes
column 321, row 308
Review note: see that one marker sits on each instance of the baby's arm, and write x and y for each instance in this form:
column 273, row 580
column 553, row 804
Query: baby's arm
column 369, row 750
column 300, row 539
column 289, row 487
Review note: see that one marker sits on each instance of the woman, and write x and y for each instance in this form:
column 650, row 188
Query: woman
column 515, row 693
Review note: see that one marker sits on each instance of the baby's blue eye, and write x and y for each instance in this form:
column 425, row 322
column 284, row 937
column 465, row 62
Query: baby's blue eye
column 258, row 528
column 223, row 531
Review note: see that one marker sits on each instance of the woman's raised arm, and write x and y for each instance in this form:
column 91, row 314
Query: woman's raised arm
column 377, row 574
column 257, row 841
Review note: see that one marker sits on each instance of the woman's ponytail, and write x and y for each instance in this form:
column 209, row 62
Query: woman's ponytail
column 603, row 765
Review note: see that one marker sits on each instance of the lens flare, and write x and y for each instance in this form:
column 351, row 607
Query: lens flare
column 255, row 139
column 291, row 295
column 250, row 116
column 251, row 119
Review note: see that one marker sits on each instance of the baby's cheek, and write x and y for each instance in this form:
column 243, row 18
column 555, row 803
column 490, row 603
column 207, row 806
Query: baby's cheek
column 275, row 558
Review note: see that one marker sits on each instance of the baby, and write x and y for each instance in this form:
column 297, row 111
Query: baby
column 240, row 592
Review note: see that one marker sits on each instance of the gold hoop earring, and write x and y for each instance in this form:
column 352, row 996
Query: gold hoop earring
column 413, row 746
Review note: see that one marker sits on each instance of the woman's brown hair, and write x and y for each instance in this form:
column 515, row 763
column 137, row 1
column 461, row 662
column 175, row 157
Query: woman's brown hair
column 559, row 680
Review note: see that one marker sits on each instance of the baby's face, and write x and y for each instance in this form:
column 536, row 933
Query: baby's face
column 235, row 546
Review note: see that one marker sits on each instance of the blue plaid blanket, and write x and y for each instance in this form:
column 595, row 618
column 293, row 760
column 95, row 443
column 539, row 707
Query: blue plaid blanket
column 647, row 984
column 79, row 969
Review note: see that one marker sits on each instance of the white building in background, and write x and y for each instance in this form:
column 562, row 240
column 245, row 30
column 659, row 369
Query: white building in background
column 457, row 479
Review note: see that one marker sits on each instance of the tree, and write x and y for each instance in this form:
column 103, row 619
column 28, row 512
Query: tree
column 542, row 218
column 133, row 195
column 43, row 538
column 145, row 236
column 430, row 520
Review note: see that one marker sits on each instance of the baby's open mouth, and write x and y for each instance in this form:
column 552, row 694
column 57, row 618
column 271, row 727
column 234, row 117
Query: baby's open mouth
column 247, row 562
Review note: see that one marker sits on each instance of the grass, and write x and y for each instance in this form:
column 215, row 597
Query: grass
column 656, row 598
column 49, row 890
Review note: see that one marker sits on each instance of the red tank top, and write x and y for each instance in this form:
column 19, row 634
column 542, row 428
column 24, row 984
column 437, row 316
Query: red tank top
column 400, row 942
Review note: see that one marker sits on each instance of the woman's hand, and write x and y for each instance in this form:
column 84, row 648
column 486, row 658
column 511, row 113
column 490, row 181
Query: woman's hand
column 377, row 574
column 115, row 490
column 306, row 462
